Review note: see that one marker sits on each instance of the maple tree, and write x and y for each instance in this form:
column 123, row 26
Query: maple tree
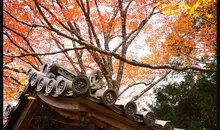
column 84, row 35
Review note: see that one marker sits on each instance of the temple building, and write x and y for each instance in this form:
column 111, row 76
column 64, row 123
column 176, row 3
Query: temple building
column 61, row 100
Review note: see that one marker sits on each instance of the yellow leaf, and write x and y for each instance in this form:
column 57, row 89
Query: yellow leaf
column 173, row 4
column 196, row 5
column 23, row 81
column 209, row 16
column 166, row 12
column 174, row 12
column 206, row 1
column 157, row 4
column 191, row 11
column 186, row 8
column 21, row 87
column 13, row 94
column 164, row 6
column 196, row 14
column 182, row 4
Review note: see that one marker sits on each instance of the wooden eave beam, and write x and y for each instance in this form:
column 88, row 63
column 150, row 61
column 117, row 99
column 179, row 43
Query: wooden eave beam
column 68, row 106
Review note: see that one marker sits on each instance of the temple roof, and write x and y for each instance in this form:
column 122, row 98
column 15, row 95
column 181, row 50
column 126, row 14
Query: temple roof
column 68, row 101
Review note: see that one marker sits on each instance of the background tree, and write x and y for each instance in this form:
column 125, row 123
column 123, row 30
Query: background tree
column 190, row 104
column 130, row 41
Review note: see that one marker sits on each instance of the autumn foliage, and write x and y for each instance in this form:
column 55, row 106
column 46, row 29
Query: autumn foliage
column 128, row 40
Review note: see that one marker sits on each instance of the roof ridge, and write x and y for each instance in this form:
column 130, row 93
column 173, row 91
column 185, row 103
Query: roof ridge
column 55, row 80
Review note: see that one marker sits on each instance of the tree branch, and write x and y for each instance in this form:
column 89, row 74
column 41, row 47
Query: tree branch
column 148, row 88
column 14, row 79
column 66, row 54
column 24, row 23
column 29, row 63
column 49, row 53
column 123, row 14
column 90, row 46
column 126, row 8
column 64, row 26
column 28, row 43
column 13, row 42
column 89, row 22
column 129, row 86
column 135, row 32
column 15, row 70
column 135, row 63
column 117, row 47
column 100, row 16
column 74, row 30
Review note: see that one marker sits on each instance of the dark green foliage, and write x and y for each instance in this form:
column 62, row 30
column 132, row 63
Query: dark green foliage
column 190, row 104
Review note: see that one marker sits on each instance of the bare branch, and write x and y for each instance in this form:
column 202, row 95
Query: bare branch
column 124, row 45
column 5, row 63
column 49, row 53
column 135, row 32
column 28, row 43
column 31, row 28
column 64, row 26
column 42, row 14
column 66, row 54
column 90, row 46
column 13, row 42
column 107, row 36
column 74, row 31
column 73, row 28
column 14, row 79
column 212, row 22
column 117, row 47
column 29, row 63
column 135, row 63
column 89, row 22
column 14, row 69
column 126, row 8
column 79, row 58
column 129, row 86
column 100, row 16
column 91, row 32
column 24, row 23
column 148, row 88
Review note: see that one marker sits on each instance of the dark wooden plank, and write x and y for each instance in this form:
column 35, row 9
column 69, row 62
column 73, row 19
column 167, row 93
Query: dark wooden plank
column 102, row 113
column 28, row 114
